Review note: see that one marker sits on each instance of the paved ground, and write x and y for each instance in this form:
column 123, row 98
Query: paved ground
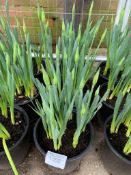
column 90, row 165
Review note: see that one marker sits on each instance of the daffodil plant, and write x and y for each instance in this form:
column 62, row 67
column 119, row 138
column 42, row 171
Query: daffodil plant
column 118, row 47
column 20, row 54
column 16, row 66
column 7, row 90
column 118, row 60
column 87, row 106
column 71, row 48
column 123, row 84
column 65, row 78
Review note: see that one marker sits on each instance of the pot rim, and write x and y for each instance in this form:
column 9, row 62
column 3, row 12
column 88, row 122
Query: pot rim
column 110, row 146
column 79, row 156
column 27, row 101
column 21, row 110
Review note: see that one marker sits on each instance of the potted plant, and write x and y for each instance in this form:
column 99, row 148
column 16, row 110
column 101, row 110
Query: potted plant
column 40, row 51
column 65, row 111
column 117, row 132
column 60, row 128
column 14, row 119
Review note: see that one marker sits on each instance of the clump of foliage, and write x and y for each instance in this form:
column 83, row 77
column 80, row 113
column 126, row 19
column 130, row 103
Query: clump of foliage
column 65, row 78
column 16, row 65
column 118, row 59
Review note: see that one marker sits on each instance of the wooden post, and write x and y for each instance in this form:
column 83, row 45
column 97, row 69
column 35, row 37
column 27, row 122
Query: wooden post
column 68, row 4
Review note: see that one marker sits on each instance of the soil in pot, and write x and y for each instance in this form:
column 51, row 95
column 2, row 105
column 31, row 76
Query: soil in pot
column 67, row 148
column 16, row 130
column 119, row 140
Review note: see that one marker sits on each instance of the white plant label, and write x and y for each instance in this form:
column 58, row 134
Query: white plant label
column 56, row 160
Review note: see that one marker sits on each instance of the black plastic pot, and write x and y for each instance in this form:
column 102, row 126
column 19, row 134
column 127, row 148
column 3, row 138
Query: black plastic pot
column 102, row 79
column 114, row 162
column 20, row 149
column 27, row 106
column 72, row 163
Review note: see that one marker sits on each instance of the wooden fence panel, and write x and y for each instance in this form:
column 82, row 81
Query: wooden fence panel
column 55, row 11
